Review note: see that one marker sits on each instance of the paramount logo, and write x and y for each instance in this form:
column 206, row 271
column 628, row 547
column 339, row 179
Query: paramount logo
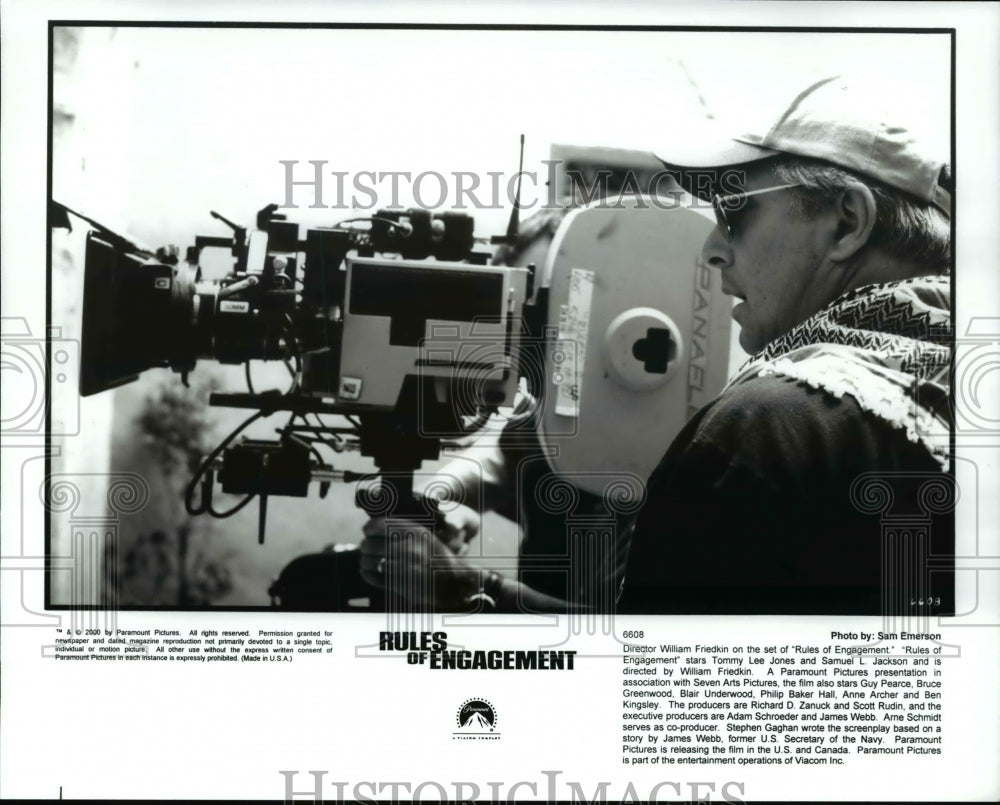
column 476, row 720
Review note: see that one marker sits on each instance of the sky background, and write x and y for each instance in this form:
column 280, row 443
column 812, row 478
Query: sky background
column 175, row 122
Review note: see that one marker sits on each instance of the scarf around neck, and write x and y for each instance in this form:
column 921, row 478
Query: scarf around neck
column 888, row 346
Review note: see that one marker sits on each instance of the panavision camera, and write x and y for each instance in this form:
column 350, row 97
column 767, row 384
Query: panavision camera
column 398, row 324
column 411, row 348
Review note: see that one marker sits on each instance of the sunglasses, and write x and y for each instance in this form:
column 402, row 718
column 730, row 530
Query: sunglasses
column 736, row 201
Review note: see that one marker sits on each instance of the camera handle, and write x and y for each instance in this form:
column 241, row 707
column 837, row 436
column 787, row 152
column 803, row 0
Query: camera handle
column 398, row 450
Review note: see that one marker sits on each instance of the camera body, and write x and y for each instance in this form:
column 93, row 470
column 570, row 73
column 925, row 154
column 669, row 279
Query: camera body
column 624, row 337
column 452, row 324
column 410, row 347
column 364, row 334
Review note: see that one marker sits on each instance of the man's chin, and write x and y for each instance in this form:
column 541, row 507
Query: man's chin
column 750, row 344
column 739, row 313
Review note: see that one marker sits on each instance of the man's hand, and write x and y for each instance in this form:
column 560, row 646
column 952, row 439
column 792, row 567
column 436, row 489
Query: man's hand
column 409, row 561
column 459, row 527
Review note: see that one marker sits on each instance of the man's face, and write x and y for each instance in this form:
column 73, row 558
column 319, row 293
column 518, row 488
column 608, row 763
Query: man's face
column 769, row 265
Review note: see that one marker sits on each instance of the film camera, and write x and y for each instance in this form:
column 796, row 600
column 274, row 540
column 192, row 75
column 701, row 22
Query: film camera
column 622, row 334
column 410, row 348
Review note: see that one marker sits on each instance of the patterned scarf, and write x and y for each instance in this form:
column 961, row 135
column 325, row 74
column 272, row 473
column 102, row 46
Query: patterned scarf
column 889, row 346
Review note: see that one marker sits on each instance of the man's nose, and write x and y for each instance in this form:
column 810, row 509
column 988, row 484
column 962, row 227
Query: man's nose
column 716, row 251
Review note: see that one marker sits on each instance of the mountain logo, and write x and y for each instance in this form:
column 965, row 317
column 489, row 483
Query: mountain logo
column 476, row 719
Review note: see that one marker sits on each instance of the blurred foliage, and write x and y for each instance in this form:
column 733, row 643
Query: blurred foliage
column 177, row 565
column 159, row 570
column 176, row 427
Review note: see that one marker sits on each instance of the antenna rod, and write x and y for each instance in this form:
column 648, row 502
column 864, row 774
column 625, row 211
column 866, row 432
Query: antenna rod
column 515, row 223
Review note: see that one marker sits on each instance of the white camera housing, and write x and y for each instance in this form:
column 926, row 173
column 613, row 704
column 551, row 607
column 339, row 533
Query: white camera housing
column 643, row 336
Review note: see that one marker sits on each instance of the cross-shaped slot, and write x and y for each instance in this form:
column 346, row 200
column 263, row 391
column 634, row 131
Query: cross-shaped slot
column 655, row 350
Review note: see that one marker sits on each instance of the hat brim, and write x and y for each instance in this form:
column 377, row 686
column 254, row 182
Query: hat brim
column 719, row 154
column 699, row 150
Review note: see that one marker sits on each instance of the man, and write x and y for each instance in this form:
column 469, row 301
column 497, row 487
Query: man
column 837, row 250
column 834, row 236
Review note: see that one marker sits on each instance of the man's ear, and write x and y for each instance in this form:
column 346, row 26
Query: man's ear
column 855, row 212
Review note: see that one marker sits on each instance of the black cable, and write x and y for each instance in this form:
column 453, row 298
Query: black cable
column 316, row 435
column 403, row 226
column 232, row 511
column 320, row 425
column 189, row 492
column 290, row 341
column 338, row 443
column 294, row 373
column 246, row 367
column 286, row 432
column 288, row 333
